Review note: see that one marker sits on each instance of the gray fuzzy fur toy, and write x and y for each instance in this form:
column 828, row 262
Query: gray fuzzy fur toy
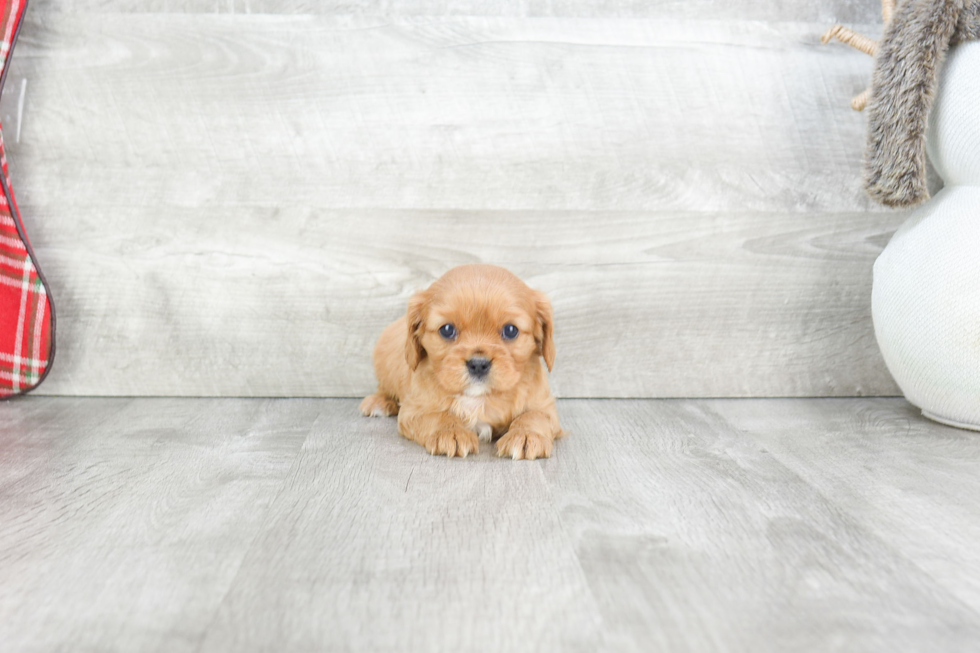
column 906, row 73
column 903, row 87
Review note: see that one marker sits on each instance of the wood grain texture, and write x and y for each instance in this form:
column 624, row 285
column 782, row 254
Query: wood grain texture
column 695, row 538
column 374, row 545
column 645, row 305
column 237, row 204
column 122, row 522
column 911, row 482
column 247, row 524
column 461, row 113
column 782, row 10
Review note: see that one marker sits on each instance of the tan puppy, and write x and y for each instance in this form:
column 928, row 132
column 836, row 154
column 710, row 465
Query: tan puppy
column 463, row 365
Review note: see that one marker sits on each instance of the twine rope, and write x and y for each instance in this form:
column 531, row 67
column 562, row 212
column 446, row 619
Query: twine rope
column 851, row 38
column 862, row 43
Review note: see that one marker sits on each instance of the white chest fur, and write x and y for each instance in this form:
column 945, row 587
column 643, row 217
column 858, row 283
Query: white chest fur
column 471, row 411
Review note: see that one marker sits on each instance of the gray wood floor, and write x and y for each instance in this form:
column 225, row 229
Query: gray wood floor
column 296, row 525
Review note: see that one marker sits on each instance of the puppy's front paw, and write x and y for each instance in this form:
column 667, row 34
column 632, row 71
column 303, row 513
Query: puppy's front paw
column 520, row 442
column 378, row 406
column 453, row 441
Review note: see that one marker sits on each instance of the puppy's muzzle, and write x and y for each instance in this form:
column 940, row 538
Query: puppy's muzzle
column 478, row 367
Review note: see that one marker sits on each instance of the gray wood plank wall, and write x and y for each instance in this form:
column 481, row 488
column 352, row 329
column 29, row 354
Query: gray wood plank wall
column 229, row 202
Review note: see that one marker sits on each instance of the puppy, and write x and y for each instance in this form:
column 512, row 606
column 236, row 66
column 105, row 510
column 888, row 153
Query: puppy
column 464, row 365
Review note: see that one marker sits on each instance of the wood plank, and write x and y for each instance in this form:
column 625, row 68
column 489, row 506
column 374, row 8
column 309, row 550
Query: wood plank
column 786, row 10
column 28, row 425
column 136, row 515
column 460, row 113
column 201, row 525
column 694, row 538
column 289, row 302
column 911, row 482
column 236, row 205
column 374, row 545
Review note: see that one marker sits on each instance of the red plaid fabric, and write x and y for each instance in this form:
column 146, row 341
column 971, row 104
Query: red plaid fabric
column 26, row 315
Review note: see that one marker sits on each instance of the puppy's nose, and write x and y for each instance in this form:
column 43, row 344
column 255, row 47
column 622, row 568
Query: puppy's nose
column 478, row 366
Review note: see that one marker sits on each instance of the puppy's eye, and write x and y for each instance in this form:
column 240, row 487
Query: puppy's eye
column 447, row 331
column 510, row 332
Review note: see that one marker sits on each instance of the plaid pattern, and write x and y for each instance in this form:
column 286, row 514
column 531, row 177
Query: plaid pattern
column 26, row 319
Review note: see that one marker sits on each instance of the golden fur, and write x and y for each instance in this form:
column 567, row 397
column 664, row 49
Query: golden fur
column 423, row 376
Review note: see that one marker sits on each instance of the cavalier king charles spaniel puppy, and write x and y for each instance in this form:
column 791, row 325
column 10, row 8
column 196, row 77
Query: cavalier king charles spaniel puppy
column 464, row 365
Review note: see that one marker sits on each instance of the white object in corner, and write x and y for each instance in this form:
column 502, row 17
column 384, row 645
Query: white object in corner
column 926, row 292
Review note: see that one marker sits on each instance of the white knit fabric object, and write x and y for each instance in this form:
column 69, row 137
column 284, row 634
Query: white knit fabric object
column 926, row 292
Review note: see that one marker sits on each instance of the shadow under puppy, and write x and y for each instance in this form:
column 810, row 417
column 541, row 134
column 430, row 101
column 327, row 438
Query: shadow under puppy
column 464, row 365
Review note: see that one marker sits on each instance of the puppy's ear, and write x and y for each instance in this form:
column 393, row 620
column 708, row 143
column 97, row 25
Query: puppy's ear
column 418, row 307
column 544, row 335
